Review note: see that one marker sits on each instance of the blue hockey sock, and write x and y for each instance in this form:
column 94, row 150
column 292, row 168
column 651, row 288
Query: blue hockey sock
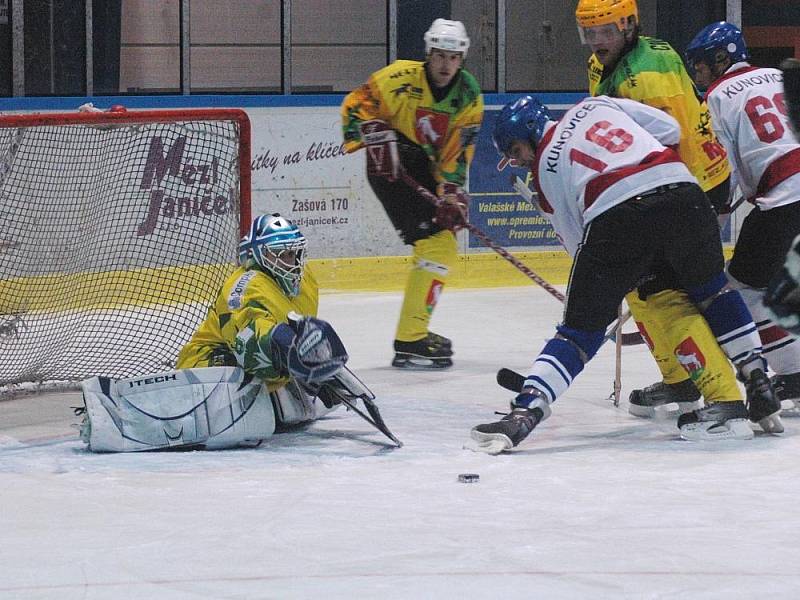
column 561, row 360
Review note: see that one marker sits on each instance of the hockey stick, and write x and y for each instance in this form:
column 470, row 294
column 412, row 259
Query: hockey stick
column 618, row 363
column 348, row 389
column 628, row 339
column 510, row 380
column 373, row 418
column 487, row 241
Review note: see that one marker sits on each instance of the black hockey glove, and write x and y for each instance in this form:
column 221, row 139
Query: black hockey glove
column 309, row 350
column 791, row 88
column 380, row 141
column 783, row 294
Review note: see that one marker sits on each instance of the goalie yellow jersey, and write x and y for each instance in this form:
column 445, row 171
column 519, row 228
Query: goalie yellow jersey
column 249, row 304
column 653, row 73
column 400, row 95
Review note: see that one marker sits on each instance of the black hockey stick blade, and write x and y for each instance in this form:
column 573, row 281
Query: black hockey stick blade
column 510, row 380
column 373, row 418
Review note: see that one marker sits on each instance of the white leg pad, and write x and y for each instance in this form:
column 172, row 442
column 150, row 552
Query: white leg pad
column 214, row 408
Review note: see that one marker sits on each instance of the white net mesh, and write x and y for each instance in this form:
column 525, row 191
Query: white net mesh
column 116, row 238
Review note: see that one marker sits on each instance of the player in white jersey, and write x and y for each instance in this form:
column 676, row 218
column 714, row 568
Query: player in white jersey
column 749, row 117
column 620, row 198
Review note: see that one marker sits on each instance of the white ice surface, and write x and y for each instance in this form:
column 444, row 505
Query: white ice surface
column 595, row 504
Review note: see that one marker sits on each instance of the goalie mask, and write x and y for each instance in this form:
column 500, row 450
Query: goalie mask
column 278, row 248
column 524, row 119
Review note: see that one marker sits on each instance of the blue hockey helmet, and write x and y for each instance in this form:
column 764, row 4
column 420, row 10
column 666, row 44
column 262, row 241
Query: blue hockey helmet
column 278, row 248
column 720, row 37
column 524, row 119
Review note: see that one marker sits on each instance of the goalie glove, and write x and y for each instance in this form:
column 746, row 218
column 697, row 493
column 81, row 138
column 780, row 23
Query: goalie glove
column 380, row 141
column 451, row 211
column 309, row 350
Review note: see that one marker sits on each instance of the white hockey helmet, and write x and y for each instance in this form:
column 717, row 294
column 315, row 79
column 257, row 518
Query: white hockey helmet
column 447, row 35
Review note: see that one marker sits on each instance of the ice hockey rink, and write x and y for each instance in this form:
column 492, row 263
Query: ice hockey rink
column 594, row 504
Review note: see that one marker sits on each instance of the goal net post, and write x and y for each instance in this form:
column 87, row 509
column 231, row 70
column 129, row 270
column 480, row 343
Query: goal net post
column 118, row 230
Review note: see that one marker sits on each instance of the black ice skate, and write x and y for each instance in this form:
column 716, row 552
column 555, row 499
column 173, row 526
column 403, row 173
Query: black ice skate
column 643, row 403
column 716, row 421
column 494, row 438
column 762, row 403
column 441, row 340
column 787, row 389
column 431, row 352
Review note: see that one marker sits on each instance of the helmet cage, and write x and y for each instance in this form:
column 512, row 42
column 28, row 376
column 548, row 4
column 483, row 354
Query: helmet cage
column 278, row 248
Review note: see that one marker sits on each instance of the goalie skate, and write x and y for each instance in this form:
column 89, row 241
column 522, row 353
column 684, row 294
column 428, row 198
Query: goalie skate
column 664, row 399
column 431, row 352
column 717, row 421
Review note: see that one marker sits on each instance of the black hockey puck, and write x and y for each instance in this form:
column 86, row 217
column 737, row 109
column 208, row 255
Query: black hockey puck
column 468, row 477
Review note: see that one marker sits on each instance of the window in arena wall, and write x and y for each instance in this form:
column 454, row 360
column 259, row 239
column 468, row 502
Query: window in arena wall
column 235, row 46
column 149, row 46
column 336, row 49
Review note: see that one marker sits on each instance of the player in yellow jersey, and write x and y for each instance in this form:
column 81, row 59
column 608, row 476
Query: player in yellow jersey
column 420, row 118
column 626, row 64
column 264, row 312
column 256, row 364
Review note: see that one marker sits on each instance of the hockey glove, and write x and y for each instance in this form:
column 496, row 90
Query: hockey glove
column 791, row 88
column 451, row 212
column 380, row 141
column 315, row 353
column 783, row 294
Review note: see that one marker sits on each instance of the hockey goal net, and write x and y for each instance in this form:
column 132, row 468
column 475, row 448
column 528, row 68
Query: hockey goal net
column 118, row 230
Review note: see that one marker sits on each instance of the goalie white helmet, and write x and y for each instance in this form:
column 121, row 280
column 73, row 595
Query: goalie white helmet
column 447, row 35
column 279, row 248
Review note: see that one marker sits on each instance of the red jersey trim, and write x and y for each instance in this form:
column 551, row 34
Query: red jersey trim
column 778, row 171
column 601, row 183
column 735, row 73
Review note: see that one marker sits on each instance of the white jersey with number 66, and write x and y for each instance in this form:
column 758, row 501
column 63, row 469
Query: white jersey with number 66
column 748, row 115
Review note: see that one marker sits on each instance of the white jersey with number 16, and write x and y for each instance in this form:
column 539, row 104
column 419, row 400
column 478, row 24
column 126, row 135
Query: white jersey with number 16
column 602, row 152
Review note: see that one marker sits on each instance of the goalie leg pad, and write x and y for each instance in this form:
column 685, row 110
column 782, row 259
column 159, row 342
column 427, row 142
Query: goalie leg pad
column 214, row 408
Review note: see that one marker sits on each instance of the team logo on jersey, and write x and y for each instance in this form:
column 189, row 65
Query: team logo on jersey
column 431, row 127
column 691, row 358
column 433, row 295
column 237, row 291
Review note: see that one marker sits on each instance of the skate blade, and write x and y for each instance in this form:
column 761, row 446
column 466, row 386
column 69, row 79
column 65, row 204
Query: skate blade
column 493, row 447
column 772, row 423
column 735, row 429
column 671, row 410
column 421, row 364
column 490, row 443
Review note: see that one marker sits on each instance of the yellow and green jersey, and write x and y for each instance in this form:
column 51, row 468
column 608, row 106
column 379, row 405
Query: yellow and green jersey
column 653, row 73
column 400, row 95
column 249, row 305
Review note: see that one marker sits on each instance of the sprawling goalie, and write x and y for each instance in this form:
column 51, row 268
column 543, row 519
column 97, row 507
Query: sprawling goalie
column 254, row 364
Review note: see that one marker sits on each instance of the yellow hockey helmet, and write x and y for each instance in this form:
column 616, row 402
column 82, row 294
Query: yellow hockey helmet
column 591, row 13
